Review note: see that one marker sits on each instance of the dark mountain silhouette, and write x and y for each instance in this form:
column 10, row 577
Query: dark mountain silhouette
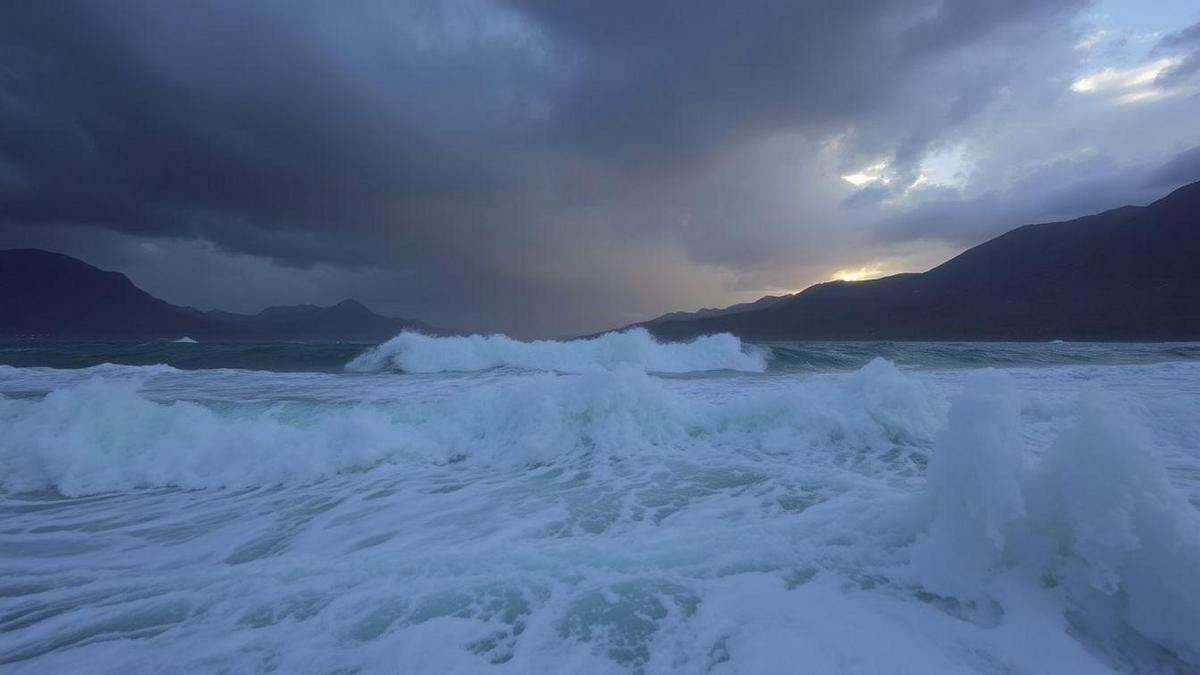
column 50, row 295
column 1132, row 273
column 707, row 312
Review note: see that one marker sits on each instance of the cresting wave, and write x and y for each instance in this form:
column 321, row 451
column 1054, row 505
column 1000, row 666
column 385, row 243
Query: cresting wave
column 611, row 520
column 879, row 480
column 417, row 353
column 102, row 435
column 1095, row 517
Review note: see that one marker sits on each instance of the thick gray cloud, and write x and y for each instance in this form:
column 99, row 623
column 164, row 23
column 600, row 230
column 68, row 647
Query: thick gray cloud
column 1187, row 43
column 1057, row 191
column 1182, row 168
column 541, row 168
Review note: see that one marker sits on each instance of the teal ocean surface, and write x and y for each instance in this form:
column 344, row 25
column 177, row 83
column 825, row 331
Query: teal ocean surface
column 781, row 356
column 614, row 505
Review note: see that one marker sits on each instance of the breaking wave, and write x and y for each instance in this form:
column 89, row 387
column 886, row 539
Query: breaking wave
column 609, row 519
column 103, row 435
column 1095, row 517
column 417, row 353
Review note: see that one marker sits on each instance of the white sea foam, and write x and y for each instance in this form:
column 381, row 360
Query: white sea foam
column 883, row 520
column 417, row 353
column 103, row 435
column 185, row 340
column 1095, row 517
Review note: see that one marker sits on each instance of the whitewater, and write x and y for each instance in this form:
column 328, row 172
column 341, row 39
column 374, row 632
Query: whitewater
column 612, row 505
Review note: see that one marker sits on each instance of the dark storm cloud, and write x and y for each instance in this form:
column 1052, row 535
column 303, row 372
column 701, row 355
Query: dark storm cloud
column 677, row 79
column 1187, row 44
column 484, row 163
column 238, row 120
column 1188, row 38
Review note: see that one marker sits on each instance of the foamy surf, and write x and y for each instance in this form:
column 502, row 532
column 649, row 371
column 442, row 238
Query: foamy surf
column 881, row 520
column 416, row 353
column 118, row 439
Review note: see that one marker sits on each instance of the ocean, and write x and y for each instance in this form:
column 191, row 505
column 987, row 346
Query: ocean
column 616, row 505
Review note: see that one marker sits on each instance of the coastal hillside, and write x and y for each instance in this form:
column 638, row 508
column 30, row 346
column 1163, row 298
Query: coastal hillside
column 1132, row 273
column 54, row 296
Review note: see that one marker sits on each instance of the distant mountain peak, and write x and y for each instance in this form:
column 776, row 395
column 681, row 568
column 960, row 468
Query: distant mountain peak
column 350, row 304
column 52, row 295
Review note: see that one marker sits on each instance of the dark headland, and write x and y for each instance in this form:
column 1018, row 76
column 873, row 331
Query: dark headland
column 1132, row 273
column 54, row 296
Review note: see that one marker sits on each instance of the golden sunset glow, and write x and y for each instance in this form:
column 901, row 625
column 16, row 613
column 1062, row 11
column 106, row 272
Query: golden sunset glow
column 857, row 274
column 871, row 174
column 1128, row 85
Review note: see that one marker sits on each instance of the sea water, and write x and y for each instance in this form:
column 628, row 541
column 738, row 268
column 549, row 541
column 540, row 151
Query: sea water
column 463, row 505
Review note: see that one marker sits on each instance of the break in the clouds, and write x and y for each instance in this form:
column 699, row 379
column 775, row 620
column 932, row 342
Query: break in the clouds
column 546, row 168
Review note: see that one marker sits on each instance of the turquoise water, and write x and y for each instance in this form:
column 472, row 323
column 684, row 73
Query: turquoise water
column 466, row 505
column 784, row 356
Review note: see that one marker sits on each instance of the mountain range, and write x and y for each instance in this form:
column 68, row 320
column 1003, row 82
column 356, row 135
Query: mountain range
column 51, row 295
column 1132, row 273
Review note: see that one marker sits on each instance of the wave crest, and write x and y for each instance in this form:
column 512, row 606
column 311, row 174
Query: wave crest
column 1096, row 516
column 417, row 353
column 104, row 436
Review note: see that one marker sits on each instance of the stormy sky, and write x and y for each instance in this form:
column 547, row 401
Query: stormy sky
column 554, row 168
